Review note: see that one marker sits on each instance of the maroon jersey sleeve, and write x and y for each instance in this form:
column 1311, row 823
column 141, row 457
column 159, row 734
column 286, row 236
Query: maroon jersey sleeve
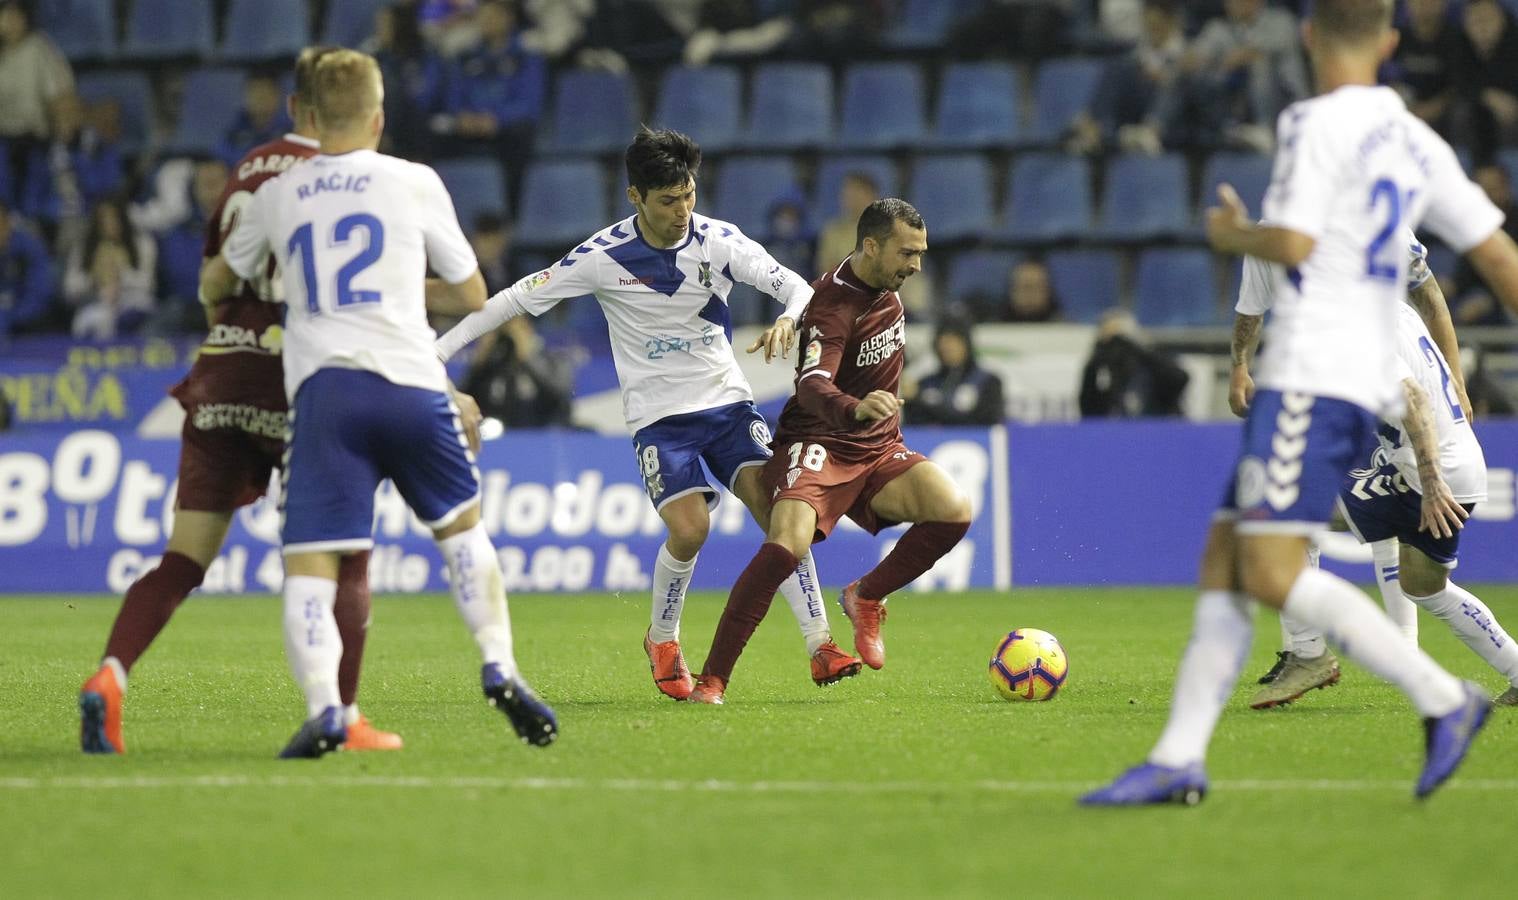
column 825, row 329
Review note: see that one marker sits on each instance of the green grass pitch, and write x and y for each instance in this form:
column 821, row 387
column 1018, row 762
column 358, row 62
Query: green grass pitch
column 915, row 781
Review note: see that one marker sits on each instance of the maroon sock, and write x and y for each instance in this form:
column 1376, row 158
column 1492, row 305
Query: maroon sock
column 148, row 605
column 352, row 614
column 922, row 546
column 746, row 605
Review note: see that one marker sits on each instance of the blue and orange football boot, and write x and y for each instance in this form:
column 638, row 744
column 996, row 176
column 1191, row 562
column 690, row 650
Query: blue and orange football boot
column 100, row 713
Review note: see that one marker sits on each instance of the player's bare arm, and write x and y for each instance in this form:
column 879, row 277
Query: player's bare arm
column 469, row 415
column 456, row 299
column 1496, row 260
column 1231, row 230
column 217, row 282
column 1441, row 516
column 1428, row 300
column 1246, row 338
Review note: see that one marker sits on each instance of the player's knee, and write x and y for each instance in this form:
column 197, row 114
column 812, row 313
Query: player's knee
column 957, row 508
column 1420, row 576
column 1265, row 583
column 686, row 536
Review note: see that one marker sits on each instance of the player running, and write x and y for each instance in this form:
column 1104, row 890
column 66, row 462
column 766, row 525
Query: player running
column 354, row 232
column 1353, row 168
column 233, row 436
column 662, row 277
column 840, row 450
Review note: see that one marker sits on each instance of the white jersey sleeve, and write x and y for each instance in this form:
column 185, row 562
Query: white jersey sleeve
column 1256, row 289
column 532, row 296
column 448, row 251
column 1459, row 212
column 753, row 265
column 1301, row 193
column 246, row 249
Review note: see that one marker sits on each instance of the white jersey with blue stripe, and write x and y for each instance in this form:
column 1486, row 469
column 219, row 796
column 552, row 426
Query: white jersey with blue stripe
column 1461, row 462
column 1353, row 169
column 666, row 310
column 1258, row 285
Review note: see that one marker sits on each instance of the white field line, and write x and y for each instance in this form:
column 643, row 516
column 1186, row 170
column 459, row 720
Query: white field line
column 676, row 786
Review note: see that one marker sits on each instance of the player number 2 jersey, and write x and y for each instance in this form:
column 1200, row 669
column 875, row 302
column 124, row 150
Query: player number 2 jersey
column 1461, row 461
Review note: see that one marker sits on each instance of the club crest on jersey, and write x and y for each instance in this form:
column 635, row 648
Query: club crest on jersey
column 813, row 354
column 704, row 274
column 760, row 432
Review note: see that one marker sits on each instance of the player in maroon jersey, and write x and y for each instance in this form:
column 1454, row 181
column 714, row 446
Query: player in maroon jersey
column 839, row 451
column 234, row 402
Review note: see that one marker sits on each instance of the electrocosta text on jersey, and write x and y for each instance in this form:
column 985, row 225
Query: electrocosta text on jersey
column 884, row 345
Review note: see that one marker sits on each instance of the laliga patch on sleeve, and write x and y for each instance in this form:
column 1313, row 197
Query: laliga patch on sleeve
column 813, row 355
column 533, row 282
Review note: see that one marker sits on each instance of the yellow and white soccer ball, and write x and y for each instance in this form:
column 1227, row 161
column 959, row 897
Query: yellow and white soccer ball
column 1029, row 664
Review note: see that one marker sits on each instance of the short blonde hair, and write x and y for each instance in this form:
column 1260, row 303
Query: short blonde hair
column 347, row 89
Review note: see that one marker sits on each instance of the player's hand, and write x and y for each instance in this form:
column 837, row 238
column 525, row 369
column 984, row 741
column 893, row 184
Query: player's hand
column 1441, row 516
column 877, row 405
column 1227, row 222
column 1240, row 391
column 469, row 416
column 776, row 339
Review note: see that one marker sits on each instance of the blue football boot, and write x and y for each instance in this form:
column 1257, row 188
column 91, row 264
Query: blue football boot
column 534, row 722
column 319, row 735
column 1148, row 784
column 1448, row 737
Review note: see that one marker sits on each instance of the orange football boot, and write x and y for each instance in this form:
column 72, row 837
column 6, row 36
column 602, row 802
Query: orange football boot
column 100, row 714
column 831, row 665
column 671, row 675
column 362, row 735
column 709, row 689
column 866, row 616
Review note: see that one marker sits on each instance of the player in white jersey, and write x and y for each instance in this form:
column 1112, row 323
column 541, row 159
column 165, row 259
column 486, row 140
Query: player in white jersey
column 1353, row 167
column 662, row 276
column 353, row 232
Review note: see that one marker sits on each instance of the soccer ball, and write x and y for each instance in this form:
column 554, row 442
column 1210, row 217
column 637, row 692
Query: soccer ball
column 1028, row 665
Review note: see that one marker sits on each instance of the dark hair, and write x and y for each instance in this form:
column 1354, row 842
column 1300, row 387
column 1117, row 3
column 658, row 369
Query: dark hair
column 864, row 178
column 93, row 237
column 488, row 221
column 659, row 159
column 879, row 219
column 26, row 9
column 405, row 31
column 1352, row 21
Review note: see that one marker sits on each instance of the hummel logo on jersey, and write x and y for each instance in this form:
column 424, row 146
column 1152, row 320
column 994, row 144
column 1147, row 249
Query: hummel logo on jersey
column 624, row 282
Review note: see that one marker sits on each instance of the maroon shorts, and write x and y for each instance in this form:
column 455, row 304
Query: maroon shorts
column 836, row 486
column 221, row 469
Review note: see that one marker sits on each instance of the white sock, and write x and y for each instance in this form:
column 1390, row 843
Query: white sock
column 1401, row 610
column 479, row 592
column 1314, row 556
column 1220, row 637
column 350, row 714
column 118, row 670
column 671, row 580
column 312, row 643
column 1368, row 637
column 807, row 605
column 1474, row 624
column 1306, row 642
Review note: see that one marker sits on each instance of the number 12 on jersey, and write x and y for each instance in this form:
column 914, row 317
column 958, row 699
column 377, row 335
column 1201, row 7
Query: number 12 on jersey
column 303, row 243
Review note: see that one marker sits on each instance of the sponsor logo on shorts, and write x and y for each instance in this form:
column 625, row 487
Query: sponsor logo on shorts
column 1249, row 483
column 759, row 431
column 241, row 416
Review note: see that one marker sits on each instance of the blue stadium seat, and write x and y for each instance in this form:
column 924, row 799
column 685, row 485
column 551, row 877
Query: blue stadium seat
column 923, row 24
column 831, row 172
column 706, row 102
column 349, row 22
column 476, row 185
column 265, row 29
column 593, row 112
column 82, row 29
column 791, row 107
column 882, row 106
column 132, row 92
column 746, row 188
column 1146, row 197
column 212, row 100
column 1062, row 88
column 953, row 193
column 1087, row 282
column 169, row 29
column 1249, row 173
column 1049, row 199
column 563, row 202
column 977, row 106
column 978, row 279
column 1176, row 287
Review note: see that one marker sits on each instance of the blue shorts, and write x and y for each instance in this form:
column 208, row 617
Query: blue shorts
column 1297, row 452
column 670, row 451
column 351, row 429
column 1380, row 504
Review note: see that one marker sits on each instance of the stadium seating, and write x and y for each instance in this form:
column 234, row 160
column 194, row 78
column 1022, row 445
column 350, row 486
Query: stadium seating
column 791, row 107
column 953, row 193
column 705, row 101
column 477, row 186
column 977, row 107
column 132, row 92
column 1249, row 173
column 1146, row 198
column 922, row 24
column 882, row 107
column 1086, row 282
column 169, row 29
column 978, row 280
column 1049, row 199
column 350, row 22
column 82, row 29
column 748, row 186
column 1176, row 287
column 563, row 202
column 831, row 171
column 1509, row 160
column 593, row 112
column 1062, row 88
column 212, row 100
column 265, row 30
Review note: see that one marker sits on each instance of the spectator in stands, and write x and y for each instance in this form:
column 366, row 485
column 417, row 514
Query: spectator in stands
column 491, row 240
column 413, row 79
column 81, row 165
column 1030, row 294
column 110, row 278
column 1473, row 303
column 1125, row 107
column 960, row 392
column 1021, row 28
column 514, row 381
column 26, row 276
column 33, row 74
column 180, row 252
column 857, row 190
column 791, row 240
column 557, row 26
column 495, row 96
column 1430, row 61
column 450, row 25
column 1493, row 78
column 261, row 119
column 1124, row 378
